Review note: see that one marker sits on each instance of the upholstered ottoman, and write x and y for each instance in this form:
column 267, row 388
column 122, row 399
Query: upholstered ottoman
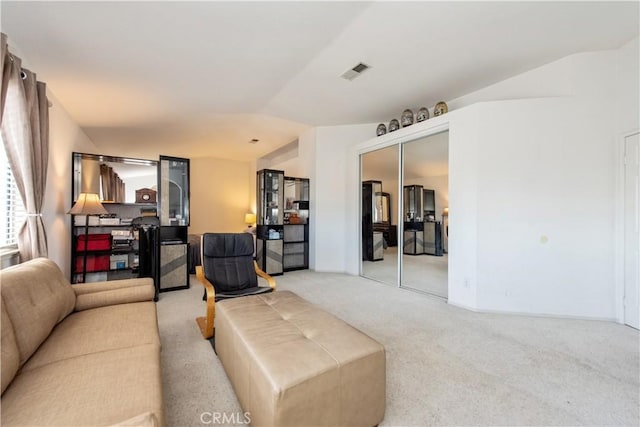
column 293, row 364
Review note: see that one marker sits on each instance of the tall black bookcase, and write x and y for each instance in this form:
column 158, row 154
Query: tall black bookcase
column 270, row 220
column 296, row 224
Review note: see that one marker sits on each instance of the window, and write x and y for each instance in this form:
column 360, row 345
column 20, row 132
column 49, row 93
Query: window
column 14, row 213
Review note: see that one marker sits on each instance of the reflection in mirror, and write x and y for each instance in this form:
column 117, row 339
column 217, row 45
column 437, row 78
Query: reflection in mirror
column 174, row 191
column 296, row 200
column 114, row 179
column 379, row 177
column 383, row 208
column 426, row 195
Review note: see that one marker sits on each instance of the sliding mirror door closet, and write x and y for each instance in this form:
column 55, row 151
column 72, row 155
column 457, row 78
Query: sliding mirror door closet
column 404, row 212
column 379, row 201
column 425, row 181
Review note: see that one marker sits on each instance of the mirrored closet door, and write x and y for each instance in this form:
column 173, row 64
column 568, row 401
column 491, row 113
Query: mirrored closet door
column 379, row 201
column 404, row 207
column 425, row 183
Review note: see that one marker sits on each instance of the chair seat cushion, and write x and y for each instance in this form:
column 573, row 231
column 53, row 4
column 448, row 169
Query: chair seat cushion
column 256, row 290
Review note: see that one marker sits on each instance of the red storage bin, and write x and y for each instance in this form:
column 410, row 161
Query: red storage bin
column 94, row 242
column 94, row 263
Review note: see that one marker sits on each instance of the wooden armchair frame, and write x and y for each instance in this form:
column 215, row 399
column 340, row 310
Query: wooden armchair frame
column 206, row 323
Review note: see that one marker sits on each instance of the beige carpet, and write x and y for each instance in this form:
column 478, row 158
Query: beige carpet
column 445, row 365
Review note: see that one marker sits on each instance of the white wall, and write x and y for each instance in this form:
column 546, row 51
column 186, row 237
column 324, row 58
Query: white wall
column 65, row 137
column 303, row 165
column 531, row 186
column 337, row 193
column 134, row 183
column 463, row 203
column 545, row 209
column 627, row 87
column 221, row 194
column 627, row 116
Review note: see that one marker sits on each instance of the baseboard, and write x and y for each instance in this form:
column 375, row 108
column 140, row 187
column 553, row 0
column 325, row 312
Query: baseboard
column 528, row 314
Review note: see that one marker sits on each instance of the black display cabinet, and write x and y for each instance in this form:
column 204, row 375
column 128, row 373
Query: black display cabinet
column 296, row 224
column 173, row 203
column 270, row 220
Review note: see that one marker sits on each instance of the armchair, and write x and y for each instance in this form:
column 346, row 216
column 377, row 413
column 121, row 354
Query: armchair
column 227, row 271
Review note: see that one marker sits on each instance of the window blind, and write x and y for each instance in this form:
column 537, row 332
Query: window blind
column 14, row 213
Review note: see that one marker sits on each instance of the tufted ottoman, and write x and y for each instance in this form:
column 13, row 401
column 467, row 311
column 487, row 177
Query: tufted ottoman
column 293, row 364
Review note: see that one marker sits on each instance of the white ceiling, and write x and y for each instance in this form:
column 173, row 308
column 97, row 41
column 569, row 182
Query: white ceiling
column 200, row 79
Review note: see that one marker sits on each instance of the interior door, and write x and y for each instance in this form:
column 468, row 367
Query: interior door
column 631, row 226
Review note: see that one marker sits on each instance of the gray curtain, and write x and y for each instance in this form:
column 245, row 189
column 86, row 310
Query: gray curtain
column 106, row 180
column 113, row 189
column 4, row 80
column 25, row 133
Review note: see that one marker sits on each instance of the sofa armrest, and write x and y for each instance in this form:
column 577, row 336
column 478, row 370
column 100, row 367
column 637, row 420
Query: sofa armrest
column 100, row 294
column 148, row 419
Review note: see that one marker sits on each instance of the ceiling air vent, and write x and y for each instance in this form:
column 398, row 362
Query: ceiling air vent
column 355, row 71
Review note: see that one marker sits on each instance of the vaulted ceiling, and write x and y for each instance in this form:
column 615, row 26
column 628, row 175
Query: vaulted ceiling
column 204, row 78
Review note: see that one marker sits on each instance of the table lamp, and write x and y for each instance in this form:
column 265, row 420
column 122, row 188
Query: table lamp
column 250, row 219
column 87, row 204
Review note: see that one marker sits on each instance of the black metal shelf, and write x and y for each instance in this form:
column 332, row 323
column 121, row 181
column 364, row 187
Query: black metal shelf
column 110, row 270
column 103, row 226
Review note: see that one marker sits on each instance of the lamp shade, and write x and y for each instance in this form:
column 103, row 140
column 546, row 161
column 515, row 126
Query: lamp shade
column 445, row 211
column 250, row 218
column 88, row 204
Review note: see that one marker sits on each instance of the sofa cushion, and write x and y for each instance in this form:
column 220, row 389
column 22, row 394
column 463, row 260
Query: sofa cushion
column 96, row 389
column 10, row 353
column 100, row 329
column 37, row 297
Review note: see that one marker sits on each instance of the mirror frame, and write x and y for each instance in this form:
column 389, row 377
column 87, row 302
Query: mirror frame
column 397, row 139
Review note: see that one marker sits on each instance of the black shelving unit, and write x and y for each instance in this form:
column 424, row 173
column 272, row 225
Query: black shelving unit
column 270, row 220
column 174, row 213
column 104, row 259
column 296, row 224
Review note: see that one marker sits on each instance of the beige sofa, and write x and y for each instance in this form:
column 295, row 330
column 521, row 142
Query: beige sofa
column 81, row 355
